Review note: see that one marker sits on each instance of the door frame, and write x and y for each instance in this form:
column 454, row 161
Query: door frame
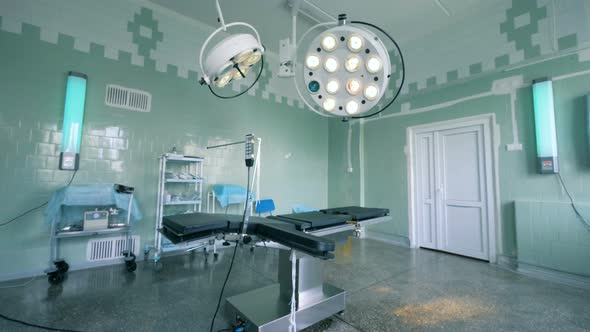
column 491, row 147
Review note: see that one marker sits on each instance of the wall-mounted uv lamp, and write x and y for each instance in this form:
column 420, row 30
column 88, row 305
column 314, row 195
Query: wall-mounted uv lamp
column 545, row 130
column 69, row 159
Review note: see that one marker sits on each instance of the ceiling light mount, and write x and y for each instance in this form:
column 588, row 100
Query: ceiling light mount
column 341, row 19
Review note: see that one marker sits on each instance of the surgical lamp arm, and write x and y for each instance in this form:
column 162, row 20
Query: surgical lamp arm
column 220, row 15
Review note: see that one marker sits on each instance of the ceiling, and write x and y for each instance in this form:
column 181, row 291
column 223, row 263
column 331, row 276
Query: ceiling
column 406, row 20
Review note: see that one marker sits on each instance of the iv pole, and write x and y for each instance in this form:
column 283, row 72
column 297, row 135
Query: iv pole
column 257, row 167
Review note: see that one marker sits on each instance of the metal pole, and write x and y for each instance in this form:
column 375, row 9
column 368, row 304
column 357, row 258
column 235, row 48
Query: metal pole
column 222, row 145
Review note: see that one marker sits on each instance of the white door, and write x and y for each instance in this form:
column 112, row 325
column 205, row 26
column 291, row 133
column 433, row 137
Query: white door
column 451, row 188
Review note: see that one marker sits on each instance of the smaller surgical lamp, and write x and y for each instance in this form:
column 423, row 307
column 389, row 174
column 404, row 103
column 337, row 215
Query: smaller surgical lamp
column 231, row 58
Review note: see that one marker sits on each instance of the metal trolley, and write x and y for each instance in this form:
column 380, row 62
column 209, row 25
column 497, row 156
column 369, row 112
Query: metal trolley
column 179, row 176
column 58, row 267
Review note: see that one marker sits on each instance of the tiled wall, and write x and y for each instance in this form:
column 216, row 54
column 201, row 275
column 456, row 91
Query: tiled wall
column 550, row 235
column 123, row 146
column 385, row 142
column 507, row 33
column 137, row 32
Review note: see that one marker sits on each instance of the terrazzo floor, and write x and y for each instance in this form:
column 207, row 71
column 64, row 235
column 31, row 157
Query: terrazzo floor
column 388, row 288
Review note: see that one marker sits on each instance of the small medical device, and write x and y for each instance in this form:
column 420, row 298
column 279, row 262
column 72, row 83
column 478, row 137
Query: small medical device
column 249, row 150
column 546, row 133
column 96, row 220
column 69, row 158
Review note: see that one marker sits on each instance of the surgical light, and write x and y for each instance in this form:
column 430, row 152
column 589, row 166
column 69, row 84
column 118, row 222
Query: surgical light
column 312, row 62
column 353, row 86
column 329, row 43
column 329, row 104
column 352, row 107
column 332, row 86
column 371, row 92
column 331, row 65
column 232, row 57
column 373, row 64
column 354, row 69
column 352, row 63
column 546, row 134
column 355, row 43
column 253, row 58
column 69, row 158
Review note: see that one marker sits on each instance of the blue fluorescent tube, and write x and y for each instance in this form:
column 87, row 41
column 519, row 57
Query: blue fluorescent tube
column 73, row 120
column 545, row 131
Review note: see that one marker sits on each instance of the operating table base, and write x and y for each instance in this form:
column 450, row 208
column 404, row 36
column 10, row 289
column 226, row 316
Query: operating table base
column 268, row 309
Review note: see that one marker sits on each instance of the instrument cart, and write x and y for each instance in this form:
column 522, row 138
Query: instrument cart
column 58, row 267
column 180, row 191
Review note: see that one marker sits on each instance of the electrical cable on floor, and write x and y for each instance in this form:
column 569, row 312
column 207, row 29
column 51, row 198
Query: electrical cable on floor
column 26, row 283
column 231, row 264
column 573, row 204
column 47, row 328
column 35, row 208
column 347, row 323
column 20, row 285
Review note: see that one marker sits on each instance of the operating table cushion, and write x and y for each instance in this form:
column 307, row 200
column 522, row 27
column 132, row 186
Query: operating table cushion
column 193, row 226
column 292, row 238
column 358, row 213
column 312, row 220
column 186, row 224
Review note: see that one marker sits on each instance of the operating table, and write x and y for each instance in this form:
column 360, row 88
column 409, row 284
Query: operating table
column 268, row 308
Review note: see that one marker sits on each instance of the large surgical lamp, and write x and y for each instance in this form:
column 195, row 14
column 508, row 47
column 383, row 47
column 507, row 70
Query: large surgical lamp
column 231, row 58
column 345, row 69
column 69, row 158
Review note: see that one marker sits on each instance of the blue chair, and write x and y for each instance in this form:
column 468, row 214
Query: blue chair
column 264, row 206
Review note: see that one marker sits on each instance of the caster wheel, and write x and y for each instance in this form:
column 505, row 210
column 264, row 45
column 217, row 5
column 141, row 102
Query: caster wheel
column 55, row 278
column 62, row 266
column 251, row 249
column 158, row 266
column 215, row 255
column 131, row 266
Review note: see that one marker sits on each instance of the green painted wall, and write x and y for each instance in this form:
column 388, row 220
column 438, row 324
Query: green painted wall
column 123, row 146
column 385, row 139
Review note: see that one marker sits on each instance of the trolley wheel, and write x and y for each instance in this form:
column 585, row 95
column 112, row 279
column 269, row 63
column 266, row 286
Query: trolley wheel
column 251, row 249
column 215, row 255
column 55, row 278
column 62, row 266
column 131, row 266
column 158, row 266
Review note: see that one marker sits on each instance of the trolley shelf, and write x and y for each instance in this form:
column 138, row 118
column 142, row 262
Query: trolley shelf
column 183, row 202
column 170, row 157
column 184, row 181
column 93, row 232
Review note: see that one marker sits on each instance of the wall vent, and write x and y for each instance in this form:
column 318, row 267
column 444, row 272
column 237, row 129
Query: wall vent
column 104, row 249
column 129, row 99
